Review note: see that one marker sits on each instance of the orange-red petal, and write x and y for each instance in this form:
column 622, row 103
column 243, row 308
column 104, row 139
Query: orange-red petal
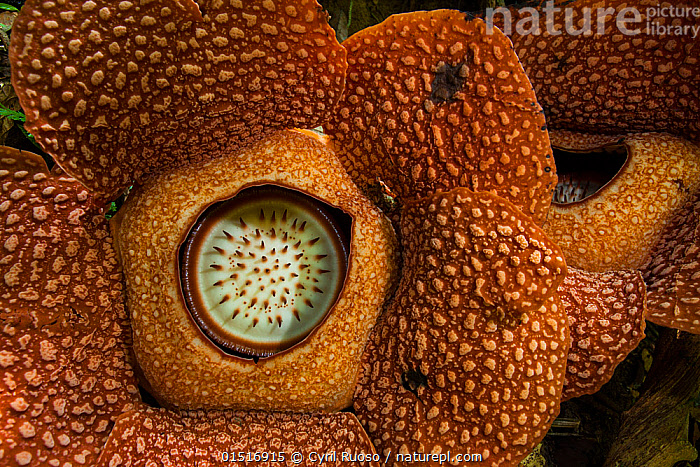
column 628, row 77
column 65, row 372
column 433, row 102
column 442, row 372
column 159, row 437
column 118, row 90
column 606, row 314
column 673, row 274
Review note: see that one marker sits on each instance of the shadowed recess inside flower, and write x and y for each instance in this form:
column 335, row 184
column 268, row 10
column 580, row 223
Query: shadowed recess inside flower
column 616, row 227
column 581, row 175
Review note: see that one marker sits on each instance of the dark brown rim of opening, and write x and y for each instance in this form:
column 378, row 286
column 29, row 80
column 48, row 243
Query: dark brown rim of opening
column 261, row 270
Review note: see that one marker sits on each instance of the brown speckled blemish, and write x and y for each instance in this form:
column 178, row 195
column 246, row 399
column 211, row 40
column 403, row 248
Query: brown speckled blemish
column 486, row 132
column 442, row 370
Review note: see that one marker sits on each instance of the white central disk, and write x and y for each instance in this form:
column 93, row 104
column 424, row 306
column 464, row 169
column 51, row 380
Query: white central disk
column 263, row 269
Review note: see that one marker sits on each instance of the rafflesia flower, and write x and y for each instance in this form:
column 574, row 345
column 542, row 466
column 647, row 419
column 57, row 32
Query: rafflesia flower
column 252, row 269
column 622, row 100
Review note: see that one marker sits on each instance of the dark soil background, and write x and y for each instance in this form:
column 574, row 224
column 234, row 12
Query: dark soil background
column 350, row 16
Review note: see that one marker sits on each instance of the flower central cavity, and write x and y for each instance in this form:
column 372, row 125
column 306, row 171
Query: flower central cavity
column 582, row 174
column 261, row 270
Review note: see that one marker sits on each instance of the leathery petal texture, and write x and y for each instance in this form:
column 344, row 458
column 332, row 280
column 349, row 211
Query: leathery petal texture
column 611, row 81
column 184, row 368
column 65, row 372
column 672, row 275
column 442, row 371
column 606, row 313
column 150, row 437
column 117, row 90
column 433, row 103
column 510, row 356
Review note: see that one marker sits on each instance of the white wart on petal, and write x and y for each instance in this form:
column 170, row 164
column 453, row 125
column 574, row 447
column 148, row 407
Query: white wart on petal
column 606, row 313
column 147, row 436
column 442, row 371
column 117, row 90
column 65, row 367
